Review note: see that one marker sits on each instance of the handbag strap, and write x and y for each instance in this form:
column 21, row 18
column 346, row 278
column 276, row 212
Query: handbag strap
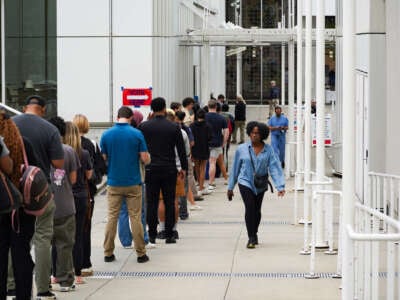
column 252, row 162
column 23, row 151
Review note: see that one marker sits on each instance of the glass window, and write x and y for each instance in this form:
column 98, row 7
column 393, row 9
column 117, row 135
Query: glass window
column 31, row 52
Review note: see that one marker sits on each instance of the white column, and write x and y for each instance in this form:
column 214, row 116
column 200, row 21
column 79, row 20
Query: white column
column 320, row 126
column 283, row 63
column 307, row 116
column 239, row 71
column 299, row 121
column 290, row 154
column 204, row 71
column 348, row 182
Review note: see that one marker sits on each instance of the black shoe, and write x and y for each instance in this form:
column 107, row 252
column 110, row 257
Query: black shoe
column 109, row 258
column 46, row 296
column 170, row 240
column 161, row 235
column 152, row 240
column 175, row 234
column 283, row 165
column 184, row 217
column 142, row 259
column 251, row 244
column 198, row 198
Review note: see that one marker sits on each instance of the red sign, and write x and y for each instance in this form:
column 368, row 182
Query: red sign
column 136, row 97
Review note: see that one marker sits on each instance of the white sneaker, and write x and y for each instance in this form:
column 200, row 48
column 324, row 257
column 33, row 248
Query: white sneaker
column 211, row 187
column 195, row 207
column 128, row 247
column 206, row 191
column 150, row 245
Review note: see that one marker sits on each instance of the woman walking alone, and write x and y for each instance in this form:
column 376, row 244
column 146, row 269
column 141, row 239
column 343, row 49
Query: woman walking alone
column 254, row 158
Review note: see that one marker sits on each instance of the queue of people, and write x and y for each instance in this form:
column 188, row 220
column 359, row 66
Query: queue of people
column 156, row 173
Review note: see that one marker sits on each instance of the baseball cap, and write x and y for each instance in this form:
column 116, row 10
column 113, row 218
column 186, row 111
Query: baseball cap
column 35, row 99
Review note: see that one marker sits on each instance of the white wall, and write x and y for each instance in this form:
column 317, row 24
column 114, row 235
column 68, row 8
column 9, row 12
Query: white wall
column 393, row 86
column 97, row 53
column 330, row 7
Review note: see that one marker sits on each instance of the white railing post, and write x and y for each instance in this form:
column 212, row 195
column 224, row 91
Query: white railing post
column 348, row 125
column 307, row 124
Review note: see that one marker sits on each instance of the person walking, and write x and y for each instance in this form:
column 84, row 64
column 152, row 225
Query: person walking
column 240, row 119
column 254, row 158
column 123, row 146
column 46, row 142
column 162, row 137
column 278, row 125
column 274, row 95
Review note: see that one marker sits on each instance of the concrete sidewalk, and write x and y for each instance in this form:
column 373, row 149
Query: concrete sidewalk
column 211, row 261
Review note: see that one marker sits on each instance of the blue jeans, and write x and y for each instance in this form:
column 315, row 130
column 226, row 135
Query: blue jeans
column 124, row 230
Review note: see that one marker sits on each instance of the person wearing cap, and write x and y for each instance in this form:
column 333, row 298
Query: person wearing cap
column 278, row 125
column 274, row 94
column 46, row 142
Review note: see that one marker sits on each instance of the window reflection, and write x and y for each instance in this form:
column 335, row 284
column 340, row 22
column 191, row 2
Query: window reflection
column 31, row 52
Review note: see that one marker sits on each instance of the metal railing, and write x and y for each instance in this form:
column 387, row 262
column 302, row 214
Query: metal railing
column 373, row 244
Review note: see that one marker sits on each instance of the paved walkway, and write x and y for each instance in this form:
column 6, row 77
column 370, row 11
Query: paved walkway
column 210, row 260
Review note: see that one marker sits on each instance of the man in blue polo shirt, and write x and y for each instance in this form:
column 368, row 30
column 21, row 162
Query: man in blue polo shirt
column 122, row 147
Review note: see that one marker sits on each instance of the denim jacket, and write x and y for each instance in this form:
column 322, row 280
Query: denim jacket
column 242, row 170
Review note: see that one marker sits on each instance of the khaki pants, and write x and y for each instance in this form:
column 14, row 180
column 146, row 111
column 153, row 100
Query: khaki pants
column 272, row 104
column 133, row 196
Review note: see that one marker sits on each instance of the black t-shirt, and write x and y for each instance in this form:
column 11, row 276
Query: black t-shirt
column 44, row 137
column 217, row 124
column 202, row 135
column 79, row 188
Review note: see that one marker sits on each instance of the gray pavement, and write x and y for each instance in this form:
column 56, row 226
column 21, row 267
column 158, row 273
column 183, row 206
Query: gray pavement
column 211, row 261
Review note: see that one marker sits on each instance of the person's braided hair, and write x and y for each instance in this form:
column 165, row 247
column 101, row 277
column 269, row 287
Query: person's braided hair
column 12, row 138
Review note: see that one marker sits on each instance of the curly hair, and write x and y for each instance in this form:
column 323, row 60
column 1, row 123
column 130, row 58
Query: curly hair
column 262, row 128
column 13, row 140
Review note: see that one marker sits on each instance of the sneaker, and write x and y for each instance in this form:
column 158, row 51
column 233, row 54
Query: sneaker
column 175, row 234
column 184, row 217
column 250, row 245
column 195, row 207
column 87, row 272
column 11, row 295
column 152, row 240
column 46, row 296
column 109, row 258
column 128, row 247
column 226, row 182
column 67, row 287
column 206, row 191
column 198, row 198
column 161, row 235
column 142, row 259
column 150, row 245
column 211, row 187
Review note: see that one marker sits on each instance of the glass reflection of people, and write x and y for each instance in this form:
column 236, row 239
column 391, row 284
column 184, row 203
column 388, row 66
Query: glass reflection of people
column 278, row 125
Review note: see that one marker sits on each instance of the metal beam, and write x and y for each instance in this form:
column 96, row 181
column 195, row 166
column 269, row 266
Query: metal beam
column 246, row 37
